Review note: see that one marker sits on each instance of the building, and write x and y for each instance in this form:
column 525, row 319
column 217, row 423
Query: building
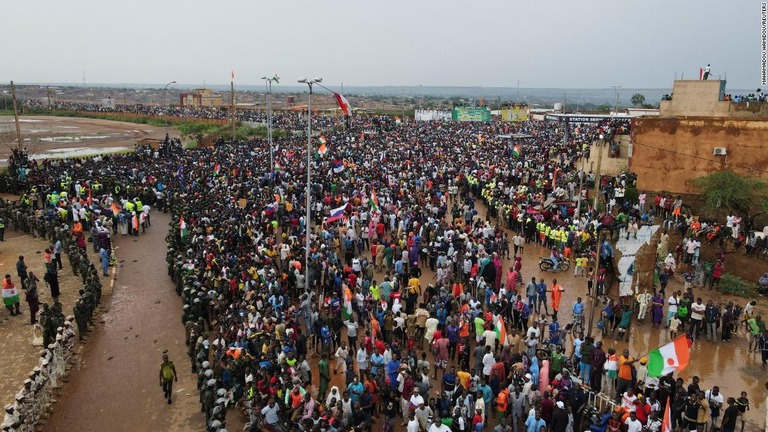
column 699, row 131
column 200, row 98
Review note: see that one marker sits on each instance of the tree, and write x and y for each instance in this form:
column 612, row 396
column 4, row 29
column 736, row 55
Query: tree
column 638, row 99
column 734, row 192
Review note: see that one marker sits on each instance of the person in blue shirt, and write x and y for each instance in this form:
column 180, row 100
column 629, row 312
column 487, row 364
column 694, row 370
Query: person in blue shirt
column 393, row 368
column 541, row 290
column 554, row 331
column 535, row 423
column 355, row 389
column 578, row 310
column 487, row 393
column 377, row 362
column 488, row 295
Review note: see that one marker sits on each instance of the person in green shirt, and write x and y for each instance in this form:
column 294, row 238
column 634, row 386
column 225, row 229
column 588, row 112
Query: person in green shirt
column 167, row 377
column 325, row 376
column 556, row 361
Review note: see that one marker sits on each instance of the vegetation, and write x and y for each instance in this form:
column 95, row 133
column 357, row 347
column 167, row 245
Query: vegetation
column 731, row 284
column 638, row 100
column 732, row 192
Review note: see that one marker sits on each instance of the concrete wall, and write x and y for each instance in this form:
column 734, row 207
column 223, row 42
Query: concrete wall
column 696, row 98
column 668, row 152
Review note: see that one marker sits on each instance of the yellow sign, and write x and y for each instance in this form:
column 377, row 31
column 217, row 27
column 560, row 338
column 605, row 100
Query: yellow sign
column 514, row 113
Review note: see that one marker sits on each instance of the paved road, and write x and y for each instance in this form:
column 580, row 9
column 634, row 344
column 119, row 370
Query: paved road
column 116, row 385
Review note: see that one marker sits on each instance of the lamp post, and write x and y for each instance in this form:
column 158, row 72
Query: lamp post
column 616, row 104
column 308, row 216
column 403, row 104
column 268, row 85
column 165, row 102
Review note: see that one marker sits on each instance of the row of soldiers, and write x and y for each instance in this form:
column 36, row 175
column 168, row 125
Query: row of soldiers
column 33, row 402
column 214, row 398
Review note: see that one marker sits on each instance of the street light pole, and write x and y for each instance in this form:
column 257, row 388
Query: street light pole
column 268, row 85
column 308, row 216
column 165, row 103
column 403, row 104
column 616, row 104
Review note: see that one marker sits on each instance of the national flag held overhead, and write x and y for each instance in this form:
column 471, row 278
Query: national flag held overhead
column 338, row 166
column 672, row 357
column 343, row 104
column 337, row 213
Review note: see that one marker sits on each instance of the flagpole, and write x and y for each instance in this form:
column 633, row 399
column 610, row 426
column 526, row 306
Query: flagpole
column 232, row 90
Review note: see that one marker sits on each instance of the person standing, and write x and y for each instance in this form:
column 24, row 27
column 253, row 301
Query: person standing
column 707, row 70
column 32, row 297
column 325, row 376
column 57, row 248
column 104, row 256
column 167, row 377
column 21, row 271
column 10, row 296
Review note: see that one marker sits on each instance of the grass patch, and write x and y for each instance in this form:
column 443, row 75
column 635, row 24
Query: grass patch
column 731, row 284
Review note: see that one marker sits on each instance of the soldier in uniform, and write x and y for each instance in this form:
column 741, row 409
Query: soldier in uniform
column 45, row 324
column 68, row 334
column 12, row 419
column 209, row 399
column 81, row 317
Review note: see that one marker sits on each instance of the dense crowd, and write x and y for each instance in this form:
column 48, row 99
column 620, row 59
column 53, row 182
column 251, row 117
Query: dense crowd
column 391, row 206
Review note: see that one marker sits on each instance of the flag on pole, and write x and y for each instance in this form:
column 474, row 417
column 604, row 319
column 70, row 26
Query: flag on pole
column 701, row 73
column 276, row 78
column 183, row 232
column 135, row 221
column 343, row 104
column 672, row 357
column 115, row 209
column 278, row 168
column 233, row 74
column 516, row 151
column 216, row 169
column 373, row 201
column 323, row 149
column 337, row 213
column 501, row 331
column 90, row 197
column 666, row 421
column 398, row 120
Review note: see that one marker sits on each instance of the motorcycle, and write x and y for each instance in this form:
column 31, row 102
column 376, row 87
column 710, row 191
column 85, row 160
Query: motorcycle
column 546, row 264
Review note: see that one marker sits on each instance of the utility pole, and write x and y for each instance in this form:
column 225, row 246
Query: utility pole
column 599, row 240
column 16, row 117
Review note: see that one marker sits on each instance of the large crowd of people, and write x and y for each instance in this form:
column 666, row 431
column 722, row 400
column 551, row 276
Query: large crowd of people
column 406, row 290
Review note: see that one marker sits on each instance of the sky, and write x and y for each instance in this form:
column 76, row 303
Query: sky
column 541, row 44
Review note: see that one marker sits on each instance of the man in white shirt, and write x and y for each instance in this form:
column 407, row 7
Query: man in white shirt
column 416, row 399
column 672, row 309
column 488, row 361
column 490, row 339
column 632, row 423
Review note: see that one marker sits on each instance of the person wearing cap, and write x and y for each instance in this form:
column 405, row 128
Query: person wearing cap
column 167, row 376
column 12, row 419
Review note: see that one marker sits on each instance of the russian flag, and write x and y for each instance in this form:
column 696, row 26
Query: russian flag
column 338, row 166
column 337, row 213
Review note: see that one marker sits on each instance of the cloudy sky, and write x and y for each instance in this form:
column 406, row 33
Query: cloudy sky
column 554, row 43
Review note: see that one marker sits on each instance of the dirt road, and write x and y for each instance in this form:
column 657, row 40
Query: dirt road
column 115, row 386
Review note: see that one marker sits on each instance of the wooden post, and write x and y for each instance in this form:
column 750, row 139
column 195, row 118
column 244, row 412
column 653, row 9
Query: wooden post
column 16, row 117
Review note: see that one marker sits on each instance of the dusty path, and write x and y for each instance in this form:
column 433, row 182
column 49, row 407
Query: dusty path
column 115, row 387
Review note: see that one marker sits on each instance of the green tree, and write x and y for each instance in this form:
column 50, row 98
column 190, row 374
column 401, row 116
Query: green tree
column 727, row 190
column 638, row 99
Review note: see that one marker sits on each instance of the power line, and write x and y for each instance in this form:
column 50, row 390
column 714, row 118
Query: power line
column 702, row 158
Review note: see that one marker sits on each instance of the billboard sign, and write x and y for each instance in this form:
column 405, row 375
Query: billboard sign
column 471, row 114
column 514, row 113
